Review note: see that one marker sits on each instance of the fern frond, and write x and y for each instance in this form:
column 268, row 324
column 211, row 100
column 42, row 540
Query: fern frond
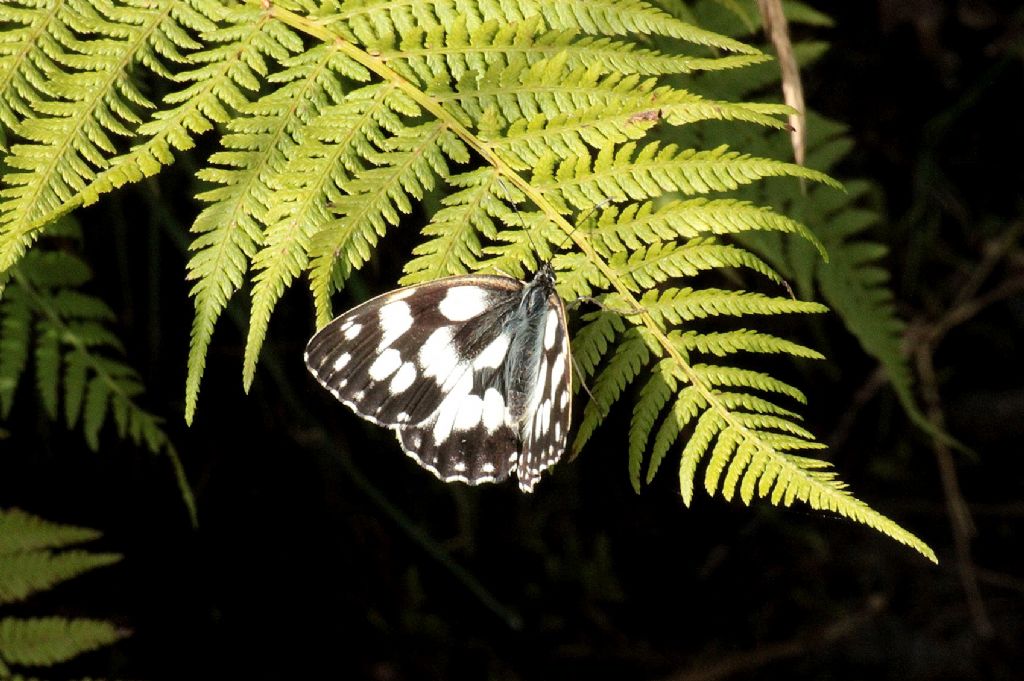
column 652, row 398
column 674, row 306
column 726, row 343
column 454, row 232
column 623, row 173
column 366, row 21
column 736, row 377
column 414, row 159
column 637, row 224
column 28, row 566
column 632, row 354
column 71, row 342
column 45, row 641
column 21, row 531
column 238, row 43
column 647, row 267
column 90, row 100
column 856, row 284
column 333, row 148
column 23, row 574
column 229, row 231
column 15, row 330
column 421, row 53
column 24, row 63
column 529, row 110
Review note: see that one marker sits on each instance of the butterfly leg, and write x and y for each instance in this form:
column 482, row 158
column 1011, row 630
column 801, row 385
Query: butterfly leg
column 573, row 304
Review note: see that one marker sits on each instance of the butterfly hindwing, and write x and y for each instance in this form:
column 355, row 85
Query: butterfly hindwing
column 464, row 369
column 545, row 434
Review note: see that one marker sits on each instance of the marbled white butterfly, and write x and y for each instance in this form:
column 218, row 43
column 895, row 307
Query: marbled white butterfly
column 472, row 372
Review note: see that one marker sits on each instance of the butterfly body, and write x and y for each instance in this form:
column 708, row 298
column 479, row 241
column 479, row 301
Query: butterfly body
column 472, row 372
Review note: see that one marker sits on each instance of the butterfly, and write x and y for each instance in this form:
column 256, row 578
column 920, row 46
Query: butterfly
column 472, row 372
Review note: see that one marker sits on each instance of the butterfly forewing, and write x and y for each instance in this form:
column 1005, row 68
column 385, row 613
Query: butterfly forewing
column 464, row 369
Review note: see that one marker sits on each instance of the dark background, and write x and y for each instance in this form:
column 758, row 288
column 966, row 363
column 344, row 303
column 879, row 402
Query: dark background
column 323, row 552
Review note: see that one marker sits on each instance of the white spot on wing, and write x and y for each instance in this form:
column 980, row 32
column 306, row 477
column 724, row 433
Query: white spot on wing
column 403, row 379
column 449, row 409
column 352, row 331
column 385, row 364
column 557, row 372
column 564, row 402
column 459, row 466
column 549, row 330
column 468, row 416
column 463, row 302
column 395, row 319
column 342, row 361
column 494, row 354
column 437, row 356
column 494, row 412
column 488, row 467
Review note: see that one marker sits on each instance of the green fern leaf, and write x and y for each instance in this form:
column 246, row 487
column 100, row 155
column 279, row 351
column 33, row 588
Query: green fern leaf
column 421, row 53
column 367, row 20
column 454, row 232
column 23, row 574
column 20, row 531
column 97, row 399
column 234, row 61
column 15, row 329
column 334, row 148
column 45, row 641
column 632, row 354
column 623, row 173
column 48, row 368
column 90, row 100
column 643, row 223
column 652, row 398
column 857, row 286
column 674, row 306
column 416, row 156
column 229, row 230
column 76, row 367
column 724, row 343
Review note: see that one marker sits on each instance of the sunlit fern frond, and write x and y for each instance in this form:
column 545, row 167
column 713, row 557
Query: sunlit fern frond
column 336, row 119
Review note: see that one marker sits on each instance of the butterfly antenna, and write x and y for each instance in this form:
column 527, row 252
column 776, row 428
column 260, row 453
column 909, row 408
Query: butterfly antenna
column 519, row 215
column 583, row 218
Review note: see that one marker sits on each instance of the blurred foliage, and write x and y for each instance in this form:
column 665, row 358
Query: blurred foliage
column 31, row 562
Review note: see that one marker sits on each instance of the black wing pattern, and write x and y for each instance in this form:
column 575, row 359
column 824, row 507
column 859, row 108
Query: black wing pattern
column 472, row 373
